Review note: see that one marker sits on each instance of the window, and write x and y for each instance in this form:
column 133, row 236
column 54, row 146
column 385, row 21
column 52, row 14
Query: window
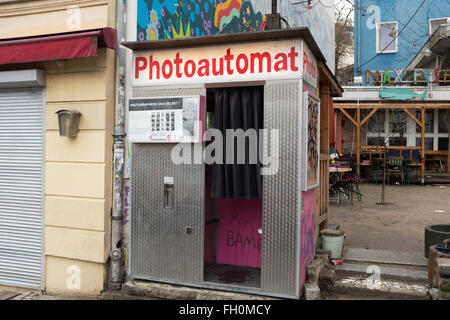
column 387, row 40
column 429, row 121
column 443, row 121
column 375, row 124
column 436, row 23
column 443, row 144
column 429, row 143
column 375, row 141
column 397, row 122
column 400, row 130
column 397, row 141
column 436, row 129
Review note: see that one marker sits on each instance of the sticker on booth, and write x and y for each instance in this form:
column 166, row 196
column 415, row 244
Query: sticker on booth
column 168, row 119
column 310, row 71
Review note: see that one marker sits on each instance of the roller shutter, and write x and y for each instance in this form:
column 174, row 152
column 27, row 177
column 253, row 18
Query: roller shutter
column 21, row 187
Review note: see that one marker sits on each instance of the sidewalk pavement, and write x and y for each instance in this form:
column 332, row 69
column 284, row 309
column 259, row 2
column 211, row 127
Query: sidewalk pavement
column 10, row 295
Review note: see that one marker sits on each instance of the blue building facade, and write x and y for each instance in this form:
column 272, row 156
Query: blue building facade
column 389, row 33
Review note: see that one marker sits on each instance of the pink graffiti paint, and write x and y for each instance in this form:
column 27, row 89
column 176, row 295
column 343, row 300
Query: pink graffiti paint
column 308, row 89
column 308, row 231
column 238, row 240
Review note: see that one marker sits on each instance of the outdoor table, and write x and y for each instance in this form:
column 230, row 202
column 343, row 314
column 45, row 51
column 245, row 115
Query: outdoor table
column 337, row 175
column 339, row 170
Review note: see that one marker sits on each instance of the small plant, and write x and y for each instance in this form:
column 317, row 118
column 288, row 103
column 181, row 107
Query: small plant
column 332, row 233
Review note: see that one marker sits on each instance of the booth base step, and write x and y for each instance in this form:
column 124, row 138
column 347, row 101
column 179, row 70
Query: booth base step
column 156, row 290
column 384, row 275
column 368, row 286
column 386, row 257
column 353, row 288
column 391, row 272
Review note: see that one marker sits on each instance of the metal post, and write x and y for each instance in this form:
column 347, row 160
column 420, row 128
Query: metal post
column 448, row 155
column 358, row 10
column 115, row 281
column 422, row 177
column 358, row 141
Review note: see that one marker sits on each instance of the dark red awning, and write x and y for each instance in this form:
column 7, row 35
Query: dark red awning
column 56, row 47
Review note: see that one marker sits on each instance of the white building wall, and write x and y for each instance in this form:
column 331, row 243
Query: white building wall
column 319, row 19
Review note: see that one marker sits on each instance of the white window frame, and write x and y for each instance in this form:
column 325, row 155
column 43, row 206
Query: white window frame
column 382, row 134
column 435, row 19
column 378, row 37
column 411, row 133
column 435, row 134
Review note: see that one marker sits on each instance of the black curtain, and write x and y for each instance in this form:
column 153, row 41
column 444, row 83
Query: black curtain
column 238, row 108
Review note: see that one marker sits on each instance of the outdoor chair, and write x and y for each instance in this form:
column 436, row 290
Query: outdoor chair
column 346, row 184
column 350, row 183
column 415, row 163
column 366, row 165
column 341, row 185
column 395, row 166
column 335, row 188
column 355, row 180
column 376, row 171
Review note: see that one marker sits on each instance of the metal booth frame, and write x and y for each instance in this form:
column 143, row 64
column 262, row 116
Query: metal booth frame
column 282, row 193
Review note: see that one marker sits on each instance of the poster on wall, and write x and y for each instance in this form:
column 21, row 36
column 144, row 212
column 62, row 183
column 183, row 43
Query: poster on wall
column 311, row 147
column 168, row 119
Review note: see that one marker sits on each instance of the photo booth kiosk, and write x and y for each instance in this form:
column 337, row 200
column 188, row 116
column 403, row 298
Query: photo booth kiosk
column 240, row 226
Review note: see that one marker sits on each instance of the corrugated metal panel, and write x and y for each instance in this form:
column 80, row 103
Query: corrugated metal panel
column 21, row 196
column 281, row 192
column 160, row 248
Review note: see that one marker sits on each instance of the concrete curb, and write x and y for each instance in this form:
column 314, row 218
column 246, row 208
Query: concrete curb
column 385, row 288
column 156, row 290
column 386, row 272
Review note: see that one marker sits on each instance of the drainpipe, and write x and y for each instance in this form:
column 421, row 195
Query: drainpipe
column 115, row 279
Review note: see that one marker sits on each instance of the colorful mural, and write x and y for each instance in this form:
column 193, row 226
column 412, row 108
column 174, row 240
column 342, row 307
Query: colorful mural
column 170, row 19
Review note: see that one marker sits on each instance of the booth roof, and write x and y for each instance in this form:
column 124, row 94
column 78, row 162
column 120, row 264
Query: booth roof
column 282, row 34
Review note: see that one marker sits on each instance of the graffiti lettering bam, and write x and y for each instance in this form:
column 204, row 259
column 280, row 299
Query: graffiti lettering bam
column 170, row 19
column 236, row 239
column 243, row 243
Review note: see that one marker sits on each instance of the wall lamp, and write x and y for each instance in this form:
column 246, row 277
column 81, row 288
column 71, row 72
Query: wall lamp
column 69, row 121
